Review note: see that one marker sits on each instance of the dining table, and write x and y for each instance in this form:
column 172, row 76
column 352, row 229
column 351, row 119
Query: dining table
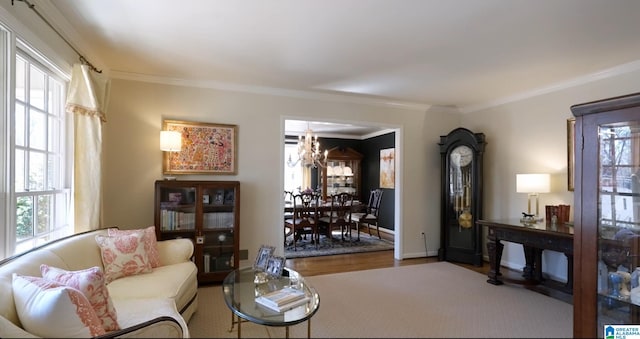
column 324, row 208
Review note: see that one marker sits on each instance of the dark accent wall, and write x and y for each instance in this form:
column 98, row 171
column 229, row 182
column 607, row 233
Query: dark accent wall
column 371, row 176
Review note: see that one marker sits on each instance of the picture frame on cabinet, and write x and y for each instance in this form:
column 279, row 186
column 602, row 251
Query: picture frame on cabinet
column 207, row 148
column 571, row 153
column 218, row 197
column 264, row 253
column 229, row 197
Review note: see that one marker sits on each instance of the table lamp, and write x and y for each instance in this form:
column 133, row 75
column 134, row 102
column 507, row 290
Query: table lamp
column 170, row 141
column 533, row 184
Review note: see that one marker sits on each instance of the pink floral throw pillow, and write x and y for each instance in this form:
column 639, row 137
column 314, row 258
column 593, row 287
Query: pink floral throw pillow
column 123, row 255
column 150, row 242
column 51, row 310
column 92, row 284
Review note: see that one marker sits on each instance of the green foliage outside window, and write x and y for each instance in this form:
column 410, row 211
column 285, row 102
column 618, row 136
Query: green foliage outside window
column 24, row 218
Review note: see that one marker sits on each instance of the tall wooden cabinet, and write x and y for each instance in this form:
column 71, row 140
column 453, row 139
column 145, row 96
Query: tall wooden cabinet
column 208, row 213
column 342, row 173
column 607, row 215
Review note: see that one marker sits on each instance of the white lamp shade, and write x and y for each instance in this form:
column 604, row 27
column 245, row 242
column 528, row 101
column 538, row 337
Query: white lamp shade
column 170, row 141
column 533, row 183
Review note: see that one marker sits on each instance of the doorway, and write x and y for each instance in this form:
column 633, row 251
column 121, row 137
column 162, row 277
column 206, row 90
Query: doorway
column 331, row 133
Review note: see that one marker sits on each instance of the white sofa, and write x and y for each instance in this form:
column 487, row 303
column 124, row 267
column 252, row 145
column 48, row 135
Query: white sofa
column 157, row 304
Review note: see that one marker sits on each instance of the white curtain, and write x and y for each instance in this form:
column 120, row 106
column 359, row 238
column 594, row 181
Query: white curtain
column 87, row 98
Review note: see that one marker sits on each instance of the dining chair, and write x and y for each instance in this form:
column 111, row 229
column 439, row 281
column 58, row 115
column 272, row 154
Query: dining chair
column 338, row 217
column 288, row 200
column 305, row 217
column 370, row 216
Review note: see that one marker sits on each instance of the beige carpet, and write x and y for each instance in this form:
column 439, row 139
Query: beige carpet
column 416, row 301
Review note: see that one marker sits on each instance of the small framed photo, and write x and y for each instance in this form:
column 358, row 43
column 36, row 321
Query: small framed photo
column 275, row 265
column 264, row 253
column 229, row 197
column 218, row 197
column 175, row 197
column 205, row 199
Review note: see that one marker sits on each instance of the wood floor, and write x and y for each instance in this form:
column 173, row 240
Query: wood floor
column 359, row 261
column 364, row 261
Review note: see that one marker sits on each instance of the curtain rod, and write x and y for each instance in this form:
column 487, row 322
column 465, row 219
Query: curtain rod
column 82, row 58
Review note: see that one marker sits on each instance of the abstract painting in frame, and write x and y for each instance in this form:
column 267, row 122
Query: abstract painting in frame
column 387, row 168
column 207, row 148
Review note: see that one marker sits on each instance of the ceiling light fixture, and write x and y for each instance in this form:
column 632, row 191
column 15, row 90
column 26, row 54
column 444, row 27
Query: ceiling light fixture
column 309, row 154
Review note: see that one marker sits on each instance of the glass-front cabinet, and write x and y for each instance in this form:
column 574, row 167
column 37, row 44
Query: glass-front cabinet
column 207, row 212
column 342, row 173
column 607, row 219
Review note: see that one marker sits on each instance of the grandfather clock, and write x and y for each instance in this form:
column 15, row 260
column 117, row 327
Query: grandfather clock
column 461, row 177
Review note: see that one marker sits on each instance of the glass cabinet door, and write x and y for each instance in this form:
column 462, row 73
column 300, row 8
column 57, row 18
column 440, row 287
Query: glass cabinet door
column 177, row 210
column 218, row 226
column 341, row 177
column 618, row 223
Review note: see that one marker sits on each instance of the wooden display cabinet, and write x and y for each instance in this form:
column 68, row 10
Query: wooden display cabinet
column 607, row 215
column 208, row 213
column 342, row 173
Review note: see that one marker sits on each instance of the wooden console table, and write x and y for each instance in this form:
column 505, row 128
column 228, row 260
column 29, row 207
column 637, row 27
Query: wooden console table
column 534, row 237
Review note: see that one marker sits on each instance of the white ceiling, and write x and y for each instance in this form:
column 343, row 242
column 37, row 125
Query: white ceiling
column 463, row 53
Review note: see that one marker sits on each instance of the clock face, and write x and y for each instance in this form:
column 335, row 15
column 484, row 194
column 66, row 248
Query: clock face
column 461, row 156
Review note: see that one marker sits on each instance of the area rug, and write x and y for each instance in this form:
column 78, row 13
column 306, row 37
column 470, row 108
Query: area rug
column 306, row 247
column 434, row 300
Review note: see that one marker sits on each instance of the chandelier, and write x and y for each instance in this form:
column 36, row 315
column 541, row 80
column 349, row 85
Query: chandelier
column 309, row 154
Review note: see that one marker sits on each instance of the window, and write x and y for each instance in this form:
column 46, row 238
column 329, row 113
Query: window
column 293, row 181
column 37, row 182
column 41, row 199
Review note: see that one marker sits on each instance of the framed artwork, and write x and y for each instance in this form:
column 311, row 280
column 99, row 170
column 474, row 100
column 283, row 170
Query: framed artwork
column 207, row 148
column 571, row 153
column 387, row 168
column 275, row 265
column 264, row 253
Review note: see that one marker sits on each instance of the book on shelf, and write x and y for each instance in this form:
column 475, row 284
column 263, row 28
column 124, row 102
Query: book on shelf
column 283, row 299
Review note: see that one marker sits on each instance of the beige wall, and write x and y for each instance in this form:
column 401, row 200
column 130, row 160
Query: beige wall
column 133, row 161
column 529, row 136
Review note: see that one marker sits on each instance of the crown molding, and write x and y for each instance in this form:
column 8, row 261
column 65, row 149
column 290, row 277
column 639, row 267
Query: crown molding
column 581, row 80
column 225, row 86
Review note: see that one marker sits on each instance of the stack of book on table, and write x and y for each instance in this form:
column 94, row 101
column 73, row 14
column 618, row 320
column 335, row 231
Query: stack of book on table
column 283, row 299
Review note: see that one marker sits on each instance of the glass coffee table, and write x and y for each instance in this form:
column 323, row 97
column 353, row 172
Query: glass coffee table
column 242, row 286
